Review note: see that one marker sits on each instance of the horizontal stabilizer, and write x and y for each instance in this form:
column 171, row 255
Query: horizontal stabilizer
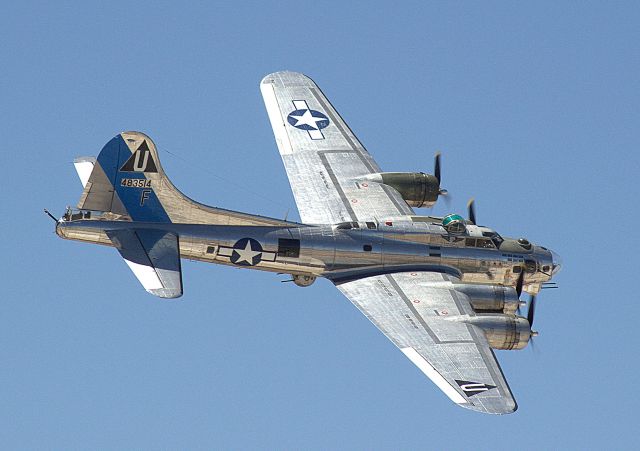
column 84, row 167
column 154, row 258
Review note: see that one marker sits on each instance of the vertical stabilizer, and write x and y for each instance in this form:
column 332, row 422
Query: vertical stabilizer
column 127, row 180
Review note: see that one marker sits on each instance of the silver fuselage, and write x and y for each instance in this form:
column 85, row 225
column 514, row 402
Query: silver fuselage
column 340, row 253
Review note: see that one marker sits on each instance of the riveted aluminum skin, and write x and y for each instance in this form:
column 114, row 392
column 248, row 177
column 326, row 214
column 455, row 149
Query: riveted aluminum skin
column 444, row 296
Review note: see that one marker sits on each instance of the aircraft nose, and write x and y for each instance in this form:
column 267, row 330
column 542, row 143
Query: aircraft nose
column 557, row 262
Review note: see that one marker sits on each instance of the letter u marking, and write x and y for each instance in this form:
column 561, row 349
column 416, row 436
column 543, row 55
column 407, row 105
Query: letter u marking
column 136, row 162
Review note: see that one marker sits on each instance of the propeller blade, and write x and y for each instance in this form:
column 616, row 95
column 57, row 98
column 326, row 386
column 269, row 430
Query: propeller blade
column 531, row 311
column 436, row 169
column 472, row 210
column 532, row 342
column 519, row 283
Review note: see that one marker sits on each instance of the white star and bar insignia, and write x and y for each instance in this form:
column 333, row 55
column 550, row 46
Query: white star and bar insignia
column 246, row 252
column 304, row 118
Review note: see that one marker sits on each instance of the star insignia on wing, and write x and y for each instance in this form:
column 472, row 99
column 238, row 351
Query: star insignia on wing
column 308, row 119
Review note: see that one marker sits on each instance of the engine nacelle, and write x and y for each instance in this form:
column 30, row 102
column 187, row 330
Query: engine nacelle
column 416, row 188
column 492, row 298
column 503, row 331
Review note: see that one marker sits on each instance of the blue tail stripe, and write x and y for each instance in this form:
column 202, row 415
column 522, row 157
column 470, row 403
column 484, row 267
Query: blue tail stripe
column 141, row 203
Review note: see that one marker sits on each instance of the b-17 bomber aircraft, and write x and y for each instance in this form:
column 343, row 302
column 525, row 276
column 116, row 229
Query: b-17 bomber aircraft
column 446, row 291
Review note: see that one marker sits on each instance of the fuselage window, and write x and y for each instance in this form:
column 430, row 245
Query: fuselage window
column 530, row 266
column 484, row 243
column 288, row 248
column 495, row 238
column 367, row 248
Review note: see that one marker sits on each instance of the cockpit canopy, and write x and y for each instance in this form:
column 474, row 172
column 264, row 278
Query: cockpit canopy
column 493, row 236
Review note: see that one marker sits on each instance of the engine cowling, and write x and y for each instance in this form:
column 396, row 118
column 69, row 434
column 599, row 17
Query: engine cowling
column 492, row 298
column 503, row 331
column 416, row 188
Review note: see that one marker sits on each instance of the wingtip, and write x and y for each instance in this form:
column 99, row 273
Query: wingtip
column 291, row 77
column 504, row 409
column 165, row 293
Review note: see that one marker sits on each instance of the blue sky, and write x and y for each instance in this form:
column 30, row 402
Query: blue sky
column 535, row 109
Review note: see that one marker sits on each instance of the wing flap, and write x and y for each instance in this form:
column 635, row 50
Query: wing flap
column 154, row 258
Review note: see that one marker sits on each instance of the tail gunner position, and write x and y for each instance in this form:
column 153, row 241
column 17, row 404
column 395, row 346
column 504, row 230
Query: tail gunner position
column 444, row 290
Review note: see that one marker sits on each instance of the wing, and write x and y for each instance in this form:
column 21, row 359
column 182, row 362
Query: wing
column 415, row 311
column 323, row 158
column 154, row 258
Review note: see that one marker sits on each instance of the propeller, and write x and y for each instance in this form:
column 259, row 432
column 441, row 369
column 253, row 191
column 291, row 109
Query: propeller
column 437, row 173
column 532, row 306
column 519, row 285
column 472, row 213
column 530, row 314
column 532, row 310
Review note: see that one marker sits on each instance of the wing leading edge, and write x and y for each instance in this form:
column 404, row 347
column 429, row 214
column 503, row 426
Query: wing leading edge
column 423, row 320
column 324, row 160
